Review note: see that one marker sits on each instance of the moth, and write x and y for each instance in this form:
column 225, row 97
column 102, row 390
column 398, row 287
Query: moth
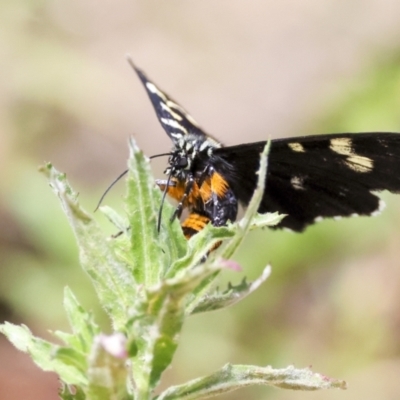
column 309, row 177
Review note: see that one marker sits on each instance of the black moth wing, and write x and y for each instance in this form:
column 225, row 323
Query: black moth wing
column 175, row 120
column 313, row 177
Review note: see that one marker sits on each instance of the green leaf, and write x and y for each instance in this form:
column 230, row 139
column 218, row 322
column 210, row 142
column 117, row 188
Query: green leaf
column 153, row 251
column 232, row 295
column 120, row 222
column 69, row 356
column 233, row 377
column 266, row 220
column 69, row 339
column 200, row 245
column 157, row 333
column 112, row 279
column 42, row 353
column 82, row 323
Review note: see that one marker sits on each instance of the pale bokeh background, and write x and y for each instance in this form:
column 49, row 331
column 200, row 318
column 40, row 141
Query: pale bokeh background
column 247, row 71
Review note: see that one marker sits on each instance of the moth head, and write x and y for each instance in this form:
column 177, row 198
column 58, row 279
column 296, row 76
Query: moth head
column 179, row 164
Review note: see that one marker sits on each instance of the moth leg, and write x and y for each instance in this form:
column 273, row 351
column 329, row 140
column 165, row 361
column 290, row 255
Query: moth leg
column 188, row 189
column 203, row 175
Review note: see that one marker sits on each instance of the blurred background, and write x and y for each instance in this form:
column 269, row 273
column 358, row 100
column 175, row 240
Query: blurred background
column 247, row 71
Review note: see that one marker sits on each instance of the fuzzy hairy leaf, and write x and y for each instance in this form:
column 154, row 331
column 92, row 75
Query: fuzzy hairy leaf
column 112, row 279
column 43, row 353
column 82, row 323
column 233, row 377
column 233, row 294
column 157, row 333
column 154, row 251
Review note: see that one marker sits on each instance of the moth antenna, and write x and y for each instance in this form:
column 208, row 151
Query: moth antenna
column 119, row 177
column 160, row 155
column 162, row 202
column 109, row 187
column 130, row 61
column 164, row 193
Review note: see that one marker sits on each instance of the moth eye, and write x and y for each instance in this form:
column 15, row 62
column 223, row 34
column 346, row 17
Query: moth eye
column 182, row 162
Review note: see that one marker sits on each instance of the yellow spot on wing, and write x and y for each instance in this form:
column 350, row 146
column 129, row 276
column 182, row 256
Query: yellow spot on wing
column 296, row 147
column 360, row 163
column 342, row 146
column 297, row 183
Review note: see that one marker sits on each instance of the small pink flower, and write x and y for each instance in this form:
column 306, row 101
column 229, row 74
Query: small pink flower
column 114, row 344
column 230, row 264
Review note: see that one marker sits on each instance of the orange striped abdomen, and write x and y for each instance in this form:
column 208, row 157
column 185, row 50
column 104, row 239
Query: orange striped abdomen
column 213, row 201
column 193, row 224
